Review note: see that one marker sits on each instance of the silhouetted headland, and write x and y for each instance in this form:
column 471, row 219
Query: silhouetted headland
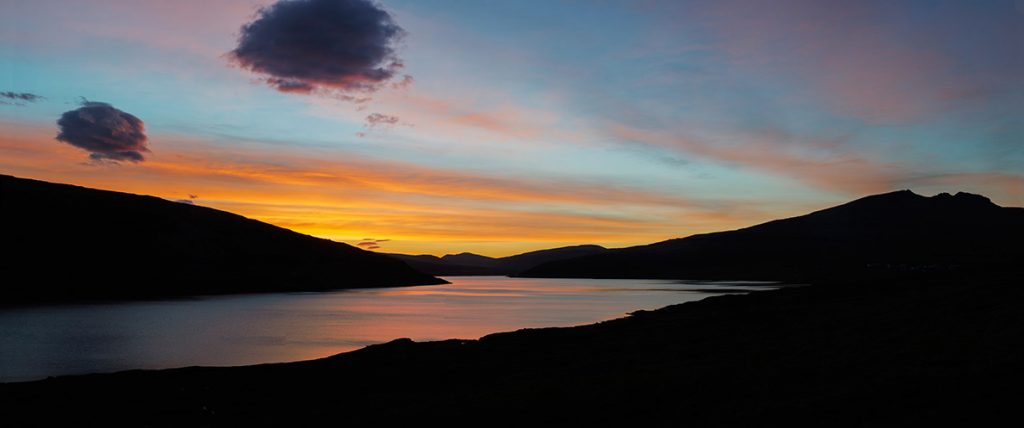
column 475, row 264
column 893, row 235
column 70, row 243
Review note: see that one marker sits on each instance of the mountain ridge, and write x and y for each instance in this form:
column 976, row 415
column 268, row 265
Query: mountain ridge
column 135, row 246
column 467, row 263
column 898, row 229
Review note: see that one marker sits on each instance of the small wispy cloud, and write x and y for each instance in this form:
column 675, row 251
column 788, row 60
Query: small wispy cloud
column 375, row 120
column 18, row 98
column 370, row 243
column 190, row 201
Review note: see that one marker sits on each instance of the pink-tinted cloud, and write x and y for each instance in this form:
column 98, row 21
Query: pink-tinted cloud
column 818, row 163
column 855, row 56
column 374, row 120
column 164, row 25
column 472, row 116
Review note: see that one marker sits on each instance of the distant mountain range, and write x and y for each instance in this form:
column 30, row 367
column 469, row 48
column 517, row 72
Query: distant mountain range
column 892, row 234
column 475, row 264
column 69, row 243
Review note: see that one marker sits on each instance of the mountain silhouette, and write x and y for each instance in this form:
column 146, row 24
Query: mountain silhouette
column 898, row 233
column 69, row 243
column 470, row 259
column 434, row 265
column 475, row 264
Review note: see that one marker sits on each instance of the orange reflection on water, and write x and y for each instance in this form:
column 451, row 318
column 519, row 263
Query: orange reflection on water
column 252, row 329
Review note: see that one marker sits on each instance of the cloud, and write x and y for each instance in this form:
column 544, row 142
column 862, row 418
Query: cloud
column 879, row 61
column 377, row 119
column 104, row 131
column 322, row 46
column 406, row 82
column 370, row 243
column 18, row 98
column 190, row 201
column 818, row 162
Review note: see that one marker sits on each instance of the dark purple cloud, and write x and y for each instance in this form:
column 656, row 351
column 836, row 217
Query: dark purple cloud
column 104, row 131
column 18, row 98
column 307, row 46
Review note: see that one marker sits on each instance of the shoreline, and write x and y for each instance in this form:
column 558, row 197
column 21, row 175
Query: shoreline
column 247, row 356
column 918, row 352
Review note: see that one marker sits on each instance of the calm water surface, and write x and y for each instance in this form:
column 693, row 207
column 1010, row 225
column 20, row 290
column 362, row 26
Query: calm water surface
column 260, row 328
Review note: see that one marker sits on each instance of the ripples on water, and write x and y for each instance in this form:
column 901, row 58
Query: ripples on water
column 260, row 328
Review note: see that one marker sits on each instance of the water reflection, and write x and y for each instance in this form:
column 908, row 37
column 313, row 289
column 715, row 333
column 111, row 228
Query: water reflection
column 251, row 329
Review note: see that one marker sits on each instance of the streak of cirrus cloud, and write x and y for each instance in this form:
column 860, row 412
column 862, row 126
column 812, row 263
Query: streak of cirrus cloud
column 170, row 28
column 879, row 61
column 18, row 98
column 821, row 163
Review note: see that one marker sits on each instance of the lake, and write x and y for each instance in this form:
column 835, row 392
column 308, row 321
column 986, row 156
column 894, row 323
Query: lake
column 37, row 342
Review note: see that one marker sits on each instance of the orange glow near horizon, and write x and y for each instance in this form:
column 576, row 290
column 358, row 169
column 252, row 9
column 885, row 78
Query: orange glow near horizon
column 422, row 210
column 418, row 209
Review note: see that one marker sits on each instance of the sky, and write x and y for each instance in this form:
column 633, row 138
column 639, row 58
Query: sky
column 507, row 126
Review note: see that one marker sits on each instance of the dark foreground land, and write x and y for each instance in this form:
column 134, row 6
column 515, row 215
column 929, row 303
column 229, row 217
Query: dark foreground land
column 841, row 355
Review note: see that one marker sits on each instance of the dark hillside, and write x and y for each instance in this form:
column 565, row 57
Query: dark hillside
column 895, row 234
column 68, row 243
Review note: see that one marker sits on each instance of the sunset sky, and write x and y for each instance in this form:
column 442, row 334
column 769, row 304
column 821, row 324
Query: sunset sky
column 503, row 127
